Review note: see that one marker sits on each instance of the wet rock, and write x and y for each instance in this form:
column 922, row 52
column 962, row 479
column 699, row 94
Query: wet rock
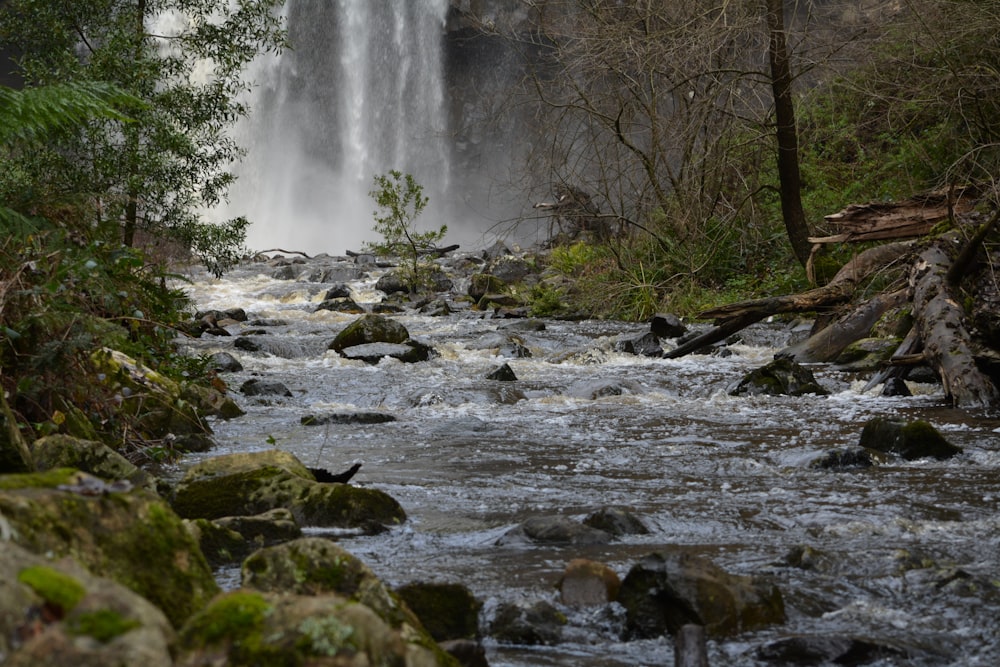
column 848, row 458
column 371, row 353
column 497, row 250
column 63, row 451
column 667, row 325
column 616, row 521
column 438, row 281
column 348, row 418
column 534, row 624
column 371, row 328
column 828, row 650
column 910, row 440
column 235, row 314
column 467, row 652
column 436, row 308
column 220, row 545
column 247, row 627
column 586, row 583
column 223, row 362
column 287, row 272
column 210, row 401
column 595, row 389
column 392, row 283
column 55, row 613
column 895, row 387
column 252, row 483
column 341, row 305
column 447, row 611
column 781, row 377
column 263, row 530
column 665, row 591
column 339, row 273
column 502, row 373
column 805, row 557
column 514, row 348
column 527, row 324
column 509, row 269
column 246, row 344
column 553, row 530
column 338, row 291
column 647, row 345
column 132, row 536
column 257, row 387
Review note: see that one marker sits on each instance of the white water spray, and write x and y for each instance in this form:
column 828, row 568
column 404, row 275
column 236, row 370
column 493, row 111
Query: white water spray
column 361, row 92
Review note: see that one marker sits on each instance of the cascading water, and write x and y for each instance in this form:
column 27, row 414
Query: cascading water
column 361, row 92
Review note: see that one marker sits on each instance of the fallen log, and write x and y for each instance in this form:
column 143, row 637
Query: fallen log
column 941, row 326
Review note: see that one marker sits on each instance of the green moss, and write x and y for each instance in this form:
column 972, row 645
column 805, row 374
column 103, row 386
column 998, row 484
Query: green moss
column 103, row 625
column 37, row 480
column 325, row 636
column 55, row 587
column 238, row 616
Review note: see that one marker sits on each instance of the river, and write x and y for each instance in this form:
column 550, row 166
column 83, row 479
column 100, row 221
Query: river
column 913, row 547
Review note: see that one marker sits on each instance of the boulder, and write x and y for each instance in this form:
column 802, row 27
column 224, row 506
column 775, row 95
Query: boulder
column 510, row 269
column 220, row 545
column 586, row 583
column 482, row 284
column 554, row 530
column 866, row 355
column 255, row 482
column 502, row 373
column 263, row 530
column 910, row 440
column 341, row 305
column 55, row 613
column 247, row 627
column 210, row 401
column 392, row 283
column 830, row 650
column 616, row 521
column 665, row 591
column 371, row 328
column 667, row 325
column 63, row 451
column 338, row 291
column 130, row 536
column 258, row 387
column 223, row 362
column 447, row 611
column 847, row 458
column 409, row 352
column 529, row 624
column 156, row 402
column 348, row 418
column 647, row 345
column 781, row 377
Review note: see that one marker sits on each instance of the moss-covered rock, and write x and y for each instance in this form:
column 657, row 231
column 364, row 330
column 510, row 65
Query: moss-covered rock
column 64, row 451
column 55, row 613
column 288, row 630
column 481, row 284
column 665, row 591
column 371, row 328
column 251, row 483
column 866, row 355
column 781, row 377
column 132, row 537
column 447, row 611
column 528, row 623
column 910, row 440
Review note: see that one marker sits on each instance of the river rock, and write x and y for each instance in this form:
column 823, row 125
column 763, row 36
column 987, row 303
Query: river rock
column 447, row 611
column 667, row 325
column 530, row 624
column 220, row 545
column 553, row 530
column 586, row 583
column 829, row 650
column 392, row 283
column 502, row 373
column 63, row 451
column 341, row 304
column 338, row 273
column 910, row 440
column 348, row 418
column 616, row 521
column 223, row 362
column 647, row 345
column 159, row 405
column 255, row 482
column 247, row 627
column 371, row 328
column 258, row 387
column 55, row 613
column 781, row 377
column 509, row 269
column 482, row 284
column 896, row 387
column 263, row 530
column 866, row 355
column 210, row 401
column 409, row 352
column 130, row 536
column 665, row 591
column 848, row 458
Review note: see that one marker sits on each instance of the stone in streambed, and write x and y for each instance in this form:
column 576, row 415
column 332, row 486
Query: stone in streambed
column 781, row 377
column 910, row 440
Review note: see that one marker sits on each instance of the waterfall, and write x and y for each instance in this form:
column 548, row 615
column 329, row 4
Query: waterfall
column 361, row 92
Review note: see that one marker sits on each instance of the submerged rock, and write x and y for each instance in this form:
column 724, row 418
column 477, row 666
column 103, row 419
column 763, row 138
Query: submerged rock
column 553, row 530
column 665, row 591
column 616, row 521
column 132, row 537
column 251, row 483
column 910, row 440
column 781, row 377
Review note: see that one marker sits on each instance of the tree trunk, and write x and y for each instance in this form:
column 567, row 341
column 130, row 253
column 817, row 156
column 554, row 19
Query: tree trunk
column 787, row 135
column 940, row 323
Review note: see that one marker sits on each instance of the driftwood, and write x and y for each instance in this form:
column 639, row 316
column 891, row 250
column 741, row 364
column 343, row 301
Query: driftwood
column 941, row 326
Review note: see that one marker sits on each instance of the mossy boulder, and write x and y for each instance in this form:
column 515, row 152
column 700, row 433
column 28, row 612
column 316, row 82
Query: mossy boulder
column 155, row 401
column 781, row 377
column 481, row 284
column 866, row 355
column 55, row 613
column 247, row 627
column 910, row 440
column 256, row 482
column 665, row 591
column 132, row 537
column 64, row 451
column 371, row 328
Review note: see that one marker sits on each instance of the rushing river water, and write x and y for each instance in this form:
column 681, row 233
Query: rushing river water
column 913, row 547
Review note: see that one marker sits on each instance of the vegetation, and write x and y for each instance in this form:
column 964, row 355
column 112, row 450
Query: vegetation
column 400, row 200
column 110, row 154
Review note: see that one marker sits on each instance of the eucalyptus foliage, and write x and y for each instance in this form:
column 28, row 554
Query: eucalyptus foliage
column 185, row 60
